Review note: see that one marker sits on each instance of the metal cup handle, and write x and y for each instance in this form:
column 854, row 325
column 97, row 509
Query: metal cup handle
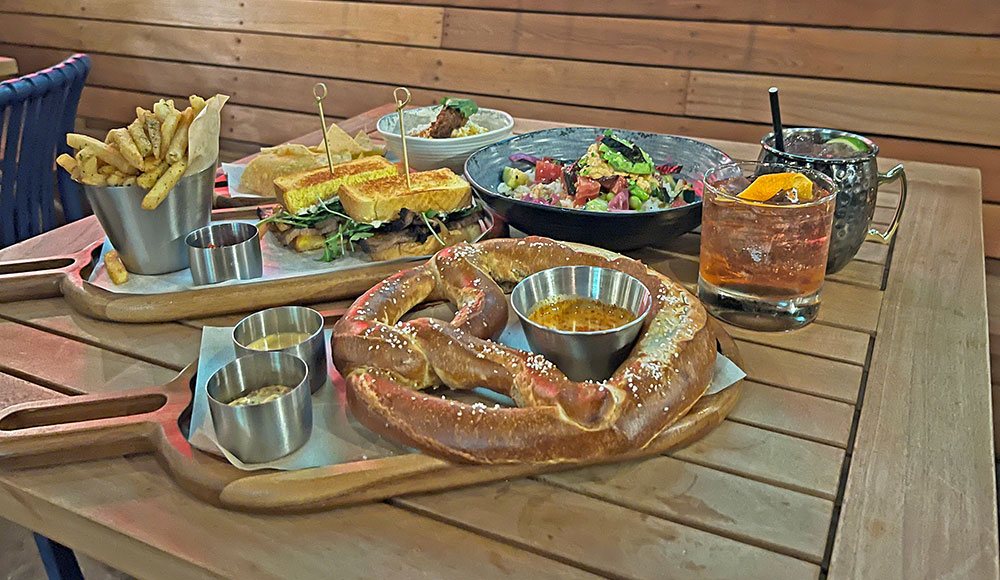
column 895, row 173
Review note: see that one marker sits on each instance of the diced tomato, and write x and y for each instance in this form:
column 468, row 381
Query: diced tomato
column 619, row 202
column 619, row 186
column 678, row 201
column 547, row 171
column 586, row 190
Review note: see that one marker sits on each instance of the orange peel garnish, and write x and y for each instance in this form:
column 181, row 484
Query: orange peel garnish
column 767, row 186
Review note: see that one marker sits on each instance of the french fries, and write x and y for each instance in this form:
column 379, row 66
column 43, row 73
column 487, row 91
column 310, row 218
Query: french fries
column 86, row 158
column 197, row 103
column 178, row 146
column 116, row 269
column 121, row 139
column 105, row 152
column 152, row 130
column 151, row 152
column 67, row 162
column 164, row 184
column 169, row 118
column 148, row 179
column 138, row 132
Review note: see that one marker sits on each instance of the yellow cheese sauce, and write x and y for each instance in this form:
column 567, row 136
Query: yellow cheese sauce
column 579, row 314
column 278, row 341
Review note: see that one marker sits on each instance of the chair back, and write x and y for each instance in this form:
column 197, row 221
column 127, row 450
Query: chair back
column 36, row 112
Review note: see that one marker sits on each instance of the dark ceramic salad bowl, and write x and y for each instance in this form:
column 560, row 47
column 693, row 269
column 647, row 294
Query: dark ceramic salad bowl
column 618, row 231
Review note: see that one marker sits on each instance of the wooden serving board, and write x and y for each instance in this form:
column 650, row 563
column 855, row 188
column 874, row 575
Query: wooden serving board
column 67, row 275
column 88, row 427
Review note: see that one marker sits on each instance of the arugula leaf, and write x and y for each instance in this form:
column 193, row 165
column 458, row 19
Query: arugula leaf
column 324, row 210
column 341, row 242
column 467, row 107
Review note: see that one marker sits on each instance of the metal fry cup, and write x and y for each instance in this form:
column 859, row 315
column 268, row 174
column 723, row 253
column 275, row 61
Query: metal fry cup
column 152, row 241
column 593, row 355
column 223, row 252
column 266, row 431
column 287, row 319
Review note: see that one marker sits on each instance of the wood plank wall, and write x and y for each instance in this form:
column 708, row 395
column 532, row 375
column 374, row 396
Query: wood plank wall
column 921, row 78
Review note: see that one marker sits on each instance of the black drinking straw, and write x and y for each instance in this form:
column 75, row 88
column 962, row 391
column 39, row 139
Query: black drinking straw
column 779, row 136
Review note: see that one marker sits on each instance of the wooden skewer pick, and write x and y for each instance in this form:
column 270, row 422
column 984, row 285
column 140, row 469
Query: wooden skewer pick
column 319, row 92
column 400, row 103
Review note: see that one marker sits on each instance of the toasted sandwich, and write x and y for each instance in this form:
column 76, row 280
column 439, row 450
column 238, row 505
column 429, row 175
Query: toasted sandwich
column 391, row 220
column 300, row 192
column 310, row 211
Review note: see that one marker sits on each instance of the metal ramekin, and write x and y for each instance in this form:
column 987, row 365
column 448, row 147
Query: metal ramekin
column 288, row 319
column 264, row 432
column 223, row 252
column 583, row 355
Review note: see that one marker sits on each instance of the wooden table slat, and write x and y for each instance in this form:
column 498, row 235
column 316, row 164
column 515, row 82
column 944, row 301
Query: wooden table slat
column 127, row 512
column 817, row 340
column 797, row 414
column 800, row 372
column 757, row 513
column 71, row 366
column 170, row 345
column 770, row 457
column 922, row 473
column 533, row 514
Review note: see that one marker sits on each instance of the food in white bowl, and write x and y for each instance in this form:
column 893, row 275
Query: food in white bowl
column 481, row 128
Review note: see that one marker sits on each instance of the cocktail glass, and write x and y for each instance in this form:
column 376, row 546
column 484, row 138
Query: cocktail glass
column 763, row 260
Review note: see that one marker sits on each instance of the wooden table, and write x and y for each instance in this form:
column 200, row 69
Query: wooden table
column 8, row 67
column 861, row 447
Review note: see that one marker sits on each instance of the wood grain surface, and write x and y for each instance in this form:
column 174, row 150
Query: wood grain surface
column 924, row 406
column 758, row 497
column 919, row 79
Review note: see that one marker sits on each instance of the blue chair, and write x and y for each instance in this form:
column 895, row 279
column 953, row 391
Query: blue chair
column 36, row 112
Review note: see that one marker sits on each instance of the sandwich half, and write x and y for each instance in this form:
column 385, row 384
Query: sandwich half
column 302, row 191
column 310, row 212
column 396, row 221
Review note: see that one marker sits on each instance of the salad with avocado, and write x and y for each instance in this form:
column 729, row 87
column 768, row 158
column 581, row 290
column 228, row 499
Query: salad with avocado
column 614, row 175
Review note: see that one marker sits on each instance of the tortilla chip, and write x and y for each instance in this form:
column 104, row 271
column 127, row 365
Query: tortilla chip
column 341, row 141
column 259, row 175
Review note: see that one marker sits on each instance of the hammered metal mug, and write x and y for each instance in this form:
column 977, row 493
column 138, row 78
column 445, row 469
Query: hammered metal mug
column 857, row 180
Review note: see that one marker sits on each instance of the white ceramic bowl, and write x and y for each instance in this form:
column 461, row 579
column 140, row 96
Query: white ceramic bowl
column 426, row 153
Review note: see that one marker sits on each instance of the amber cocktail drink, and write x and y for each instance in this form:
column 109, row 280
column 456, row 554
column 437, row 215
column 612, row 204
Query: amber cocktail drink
column 765, row 236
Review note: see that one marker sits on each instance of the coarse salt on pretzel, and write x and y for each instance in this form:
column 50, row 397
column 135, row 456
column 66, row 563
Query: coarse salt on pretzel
column 387, row 363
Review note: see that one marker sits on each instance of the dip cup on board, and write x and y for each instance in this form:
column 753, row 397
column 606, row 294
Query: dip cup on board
column 152, row 241
column 221, row 252
column 857, row 178
column 582, row 356
column 287, row 319
column 266, row 431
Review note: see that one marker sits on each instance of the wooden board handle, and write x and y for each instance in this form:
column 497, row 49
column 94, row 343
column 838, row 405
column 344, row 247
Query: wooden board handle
column 42, row 278
column 86, row 427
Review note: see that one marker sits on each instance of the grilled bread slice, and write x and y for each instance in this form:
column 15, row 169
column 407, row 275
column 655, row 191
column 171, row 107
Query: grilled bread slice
column 301, row 191
column 382, row 199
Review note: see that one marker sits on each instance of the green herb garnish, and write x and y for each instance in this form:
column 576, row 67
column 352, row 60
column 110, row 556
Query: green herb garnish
column 467, row 107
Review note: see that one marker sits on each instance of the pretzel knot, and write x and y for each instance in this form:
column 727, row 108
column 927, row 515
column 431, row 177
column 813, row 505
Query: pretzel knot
column 387, row 363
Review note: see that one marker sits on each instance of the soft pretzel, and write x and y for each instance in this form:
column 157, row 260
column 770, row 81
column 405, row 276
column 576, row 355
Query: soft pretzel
column 387, row 363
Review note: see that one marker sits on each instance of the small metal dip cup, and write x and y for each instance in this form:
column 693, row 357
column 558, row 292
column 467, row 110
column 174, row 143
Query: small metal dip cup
column 591, row 355
column 264, row 432
column 223, row 252
column 287, row 319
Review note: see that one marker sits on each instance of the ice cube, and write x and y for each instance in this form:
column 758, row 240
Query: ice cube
column 801, row 144
column 735, row 185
